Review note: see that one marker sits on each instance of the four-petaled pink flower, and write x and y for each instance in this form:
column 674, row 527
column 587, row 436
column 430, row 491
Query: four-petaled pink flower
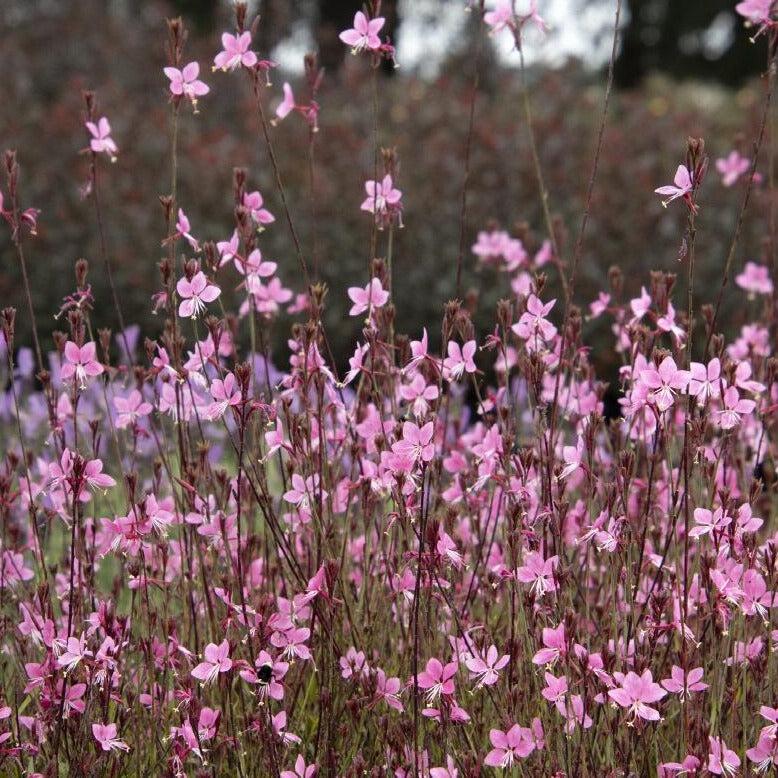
column 732, row 167
column 185, row 83
column 416, row 442
column 80, row 363
column 387, row 689
column 682, row 683
column 721, row 760
column 459, row 360
column 236, row 52
column 101, row 138
column 764, row 753
column 383, row 200
column 364, row 34
column 485, row 669
column 635, row 692
column 372, row 296
column 555, row 644
column 216, row 660
column 733, row 408
column 538, row 572
column 292, row 642
column 304, row 492
column 708, row 521
column 225, row 393
column 682, row 186
column 755, row 279
column 105, row 735
column 664, row 382
column 130, row 408
column 254, row 202
column 533, row 322
column 705, row 381
column 517, row 743
column 74, row 652
column 195, row 293
column 437, row 679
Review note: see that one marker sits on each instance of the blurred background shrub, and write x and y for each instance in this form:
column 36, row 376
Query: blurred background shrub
column 53, row 51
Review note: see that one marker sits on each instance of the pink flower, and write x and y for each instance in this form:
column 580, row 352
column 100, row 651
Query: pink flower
column 538, row 572
column 236, row 52
column 447, row 549
column 364, row 35
column 682, row 187
column 640, row 306
column 353, row 664
column 130, row 408
column 556, row 688
column 292, row 642
column 304, row 492
column 517, row 743
column 419, row 394
column 101, row 138
column 416, row 442
column 383, row 200
column 708, row 521
column 310, row 112
column 449, row 771
column 105, row 735
column 225, row 394
column 373, row 295
column 73, row 697
column 682, row 683
column 664, row 382
column 13, row 569
column 755, row 279
column 208, row 723
column 635, row 692
column 555, row 645
column 254, row 203
column 195, row 293
column 459, row 360
column 722, row 760
column 756, row 11
column 733, row 408
column 73, row 654
column 81, row 363
column 388, row 689
column 185, row 83
column 184, row 230
column 419, row 352
column 216, row 660
column 268, row 676
column 732, row 167
column 764, row 753
column 501, row 17
column 573, row 456
column 705, row 381
column 279, row 727
column 437, row 679
column 533, row 322
column 301, row 770
column 485, row 670
column 689, row 766
column 287, row 105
